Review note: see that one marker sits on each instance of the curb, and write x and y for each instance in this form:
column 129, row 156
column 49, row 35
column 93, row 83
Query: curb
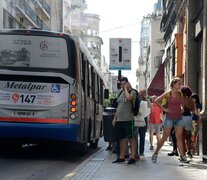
column 74, row 172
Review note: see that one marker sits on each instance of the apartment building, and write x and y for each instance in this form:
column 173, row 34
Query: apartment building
column 44, row 14
column 151, row 52
column 144, row 44
column 86, row 25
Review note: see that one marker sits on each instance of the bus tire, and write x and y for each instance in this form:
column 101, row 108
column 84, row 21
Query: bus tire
column 83, row 149
column 94, row 145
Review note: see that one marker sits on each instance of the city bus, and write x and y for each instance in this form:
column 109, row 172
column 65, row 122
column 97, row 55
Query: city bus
column 50, row 90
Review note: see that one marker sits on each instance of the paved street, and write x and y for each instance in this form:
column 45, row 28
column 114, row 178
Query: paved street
column 99, row 167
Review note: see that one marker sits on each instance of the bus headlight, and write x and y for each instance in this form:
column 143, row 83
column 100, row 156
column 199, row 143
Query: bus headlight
column 72, row 109
column 73, row 103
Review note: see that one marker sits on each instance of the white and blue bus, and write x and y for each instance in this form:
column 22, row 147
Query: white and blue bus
column 50, row 89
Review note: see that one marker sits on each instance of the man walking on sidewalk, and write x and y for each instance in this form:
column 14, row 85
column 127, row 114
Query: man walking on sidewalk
column 124, row 121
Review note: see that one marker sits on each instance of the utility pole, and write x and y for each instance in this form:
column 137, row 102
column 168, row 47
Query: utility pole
column 120, row 60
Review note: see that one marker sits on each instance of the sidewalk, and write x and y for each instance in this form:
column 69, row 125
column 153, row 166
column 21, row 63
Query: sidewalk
column 100, row 167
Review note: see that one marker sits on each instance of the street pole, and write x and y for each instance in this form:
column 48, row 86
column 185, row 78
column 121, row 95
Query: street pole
column 120, row 60
column 204, row 83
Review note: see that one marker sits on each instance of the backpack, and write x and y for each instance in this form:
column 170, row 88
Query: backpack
column 136, row 104
column 166, row 99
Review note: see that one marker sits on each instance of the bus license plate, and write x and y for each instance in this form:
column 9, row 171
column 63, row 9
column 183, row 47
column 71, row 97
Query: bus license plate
column 24, row 113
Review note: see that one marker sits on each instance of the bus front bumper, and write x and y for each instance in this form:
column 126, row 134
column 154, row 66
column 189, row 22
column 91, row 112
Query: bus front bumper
column 50, row 132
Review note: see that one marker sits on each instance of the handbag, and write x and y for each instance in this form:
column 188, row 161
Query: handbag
column 144, row 111
column 139, row 121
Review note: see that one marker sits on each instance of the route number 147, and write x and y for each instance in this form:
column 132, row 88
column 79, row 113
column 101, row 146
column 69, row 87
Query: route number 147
column 27, row 98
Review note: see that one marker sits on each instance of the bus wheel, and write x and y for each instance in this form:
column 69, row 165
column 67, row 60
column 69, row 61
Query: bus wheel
column 83, row 149
column 94, row 145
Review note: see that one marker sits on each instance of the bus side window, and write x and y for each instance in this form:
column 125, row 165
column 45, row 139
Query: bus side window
column 89, row 82
column 97, row 89
column 101, row 91
column 83, row 71
column 92, row 82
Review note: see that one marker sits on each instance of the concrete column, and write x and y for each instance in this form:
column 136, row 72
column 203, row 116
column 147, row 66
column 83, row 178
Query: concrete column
column 190, row 64
column 204, row 82
column 1, row 14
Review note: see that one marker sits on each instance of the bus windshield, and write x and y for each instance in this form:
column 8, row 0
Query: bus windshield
column 33, row 51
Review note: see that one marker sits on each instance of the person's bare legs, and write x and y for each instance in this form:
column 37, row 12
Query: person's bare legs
column 123, row 146
column 179, row 136
column 166, row 134
column 133, row 145
column 151, row 137
column 158, row 136
column 188, row 140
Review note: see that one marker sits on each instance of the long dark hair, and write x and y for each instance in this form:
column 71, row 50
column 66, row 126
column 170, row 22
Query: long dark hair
column 186, row 90
column 196, row 97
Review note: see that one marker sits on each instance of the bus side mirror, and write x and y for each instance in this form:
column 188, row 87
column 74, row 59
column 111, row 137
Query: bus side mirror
column 106, row 93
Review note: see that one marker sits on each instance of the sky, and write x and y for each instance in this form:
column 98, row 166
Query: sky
column 121, row 19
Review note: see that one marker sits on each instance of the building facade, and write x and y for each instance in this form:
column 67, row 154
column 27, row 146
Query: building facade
column 49, row 15
column 151, row 51
column 86, row 25
column 91, row 36
column 107, row 75
column 154, row 68
column 184, row 27
column 144, row 44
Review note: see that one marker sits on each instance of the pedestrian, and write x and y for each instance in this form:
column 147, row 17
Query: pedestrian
column 142, row 130
column 140, row 122
column 155, row 121
column 124, row 121
column 195, row 124
column 173, row 117
column 188, row 110
column 111, row 143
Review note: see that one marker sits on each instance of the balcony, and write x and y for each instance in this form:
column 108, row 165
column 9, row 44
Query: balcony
column 42, row 8
column 172, row 12
column 10, row 7
column 157, row 61
column 24, row 9
column 140, row 73
column 42, row 25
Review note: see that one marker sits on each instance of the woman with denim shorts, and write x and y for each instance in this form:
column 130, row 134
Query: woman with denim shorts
column 188, row 109
column 173, row 117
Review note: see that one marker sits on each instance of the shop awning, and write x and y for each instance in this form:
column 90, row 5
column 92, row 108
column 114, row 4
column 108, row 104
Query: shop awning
column 156, row 87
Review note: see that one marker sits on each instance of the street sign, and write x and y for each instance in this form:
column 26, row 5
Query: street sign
column 120, row 54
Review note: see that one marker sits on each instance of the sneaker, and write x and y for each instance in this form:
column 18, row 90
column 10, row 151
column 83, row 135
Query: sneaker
column 154, row 158
column 183, row 159
column 151, row 148
column 119, row 160
column 142, row 155
column 131, row 161
column 189, row 155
